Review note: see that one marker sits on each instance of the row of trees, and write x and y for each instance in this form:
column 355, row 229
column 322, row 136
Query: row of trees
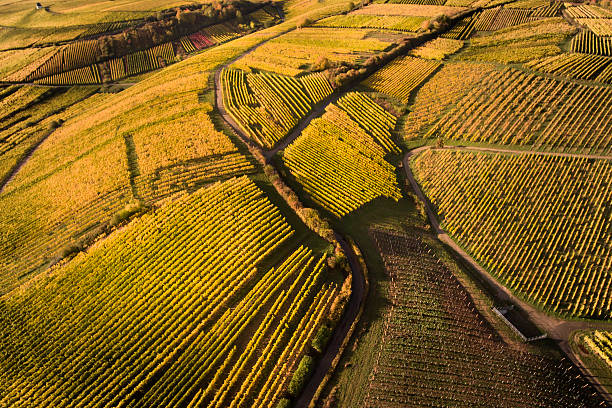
column 170, row 25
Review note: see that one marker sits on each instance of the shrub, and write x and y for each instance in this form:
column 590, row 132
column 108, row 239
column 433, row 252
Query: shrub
column 126, row 213
column 321, row 64
column 70, row 250
column 322, row 338
column 337, row 307
column 283, row 403
column 301, row 375
column 303, row 22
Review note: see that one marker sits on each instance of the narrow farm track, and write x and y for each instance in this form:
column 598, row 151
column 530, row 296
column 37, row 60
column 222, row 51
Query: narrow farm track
column 536, row 152
column 317, row 111
column 342, row 329
column 22, row 161
column 219, row 93
column 557, row 329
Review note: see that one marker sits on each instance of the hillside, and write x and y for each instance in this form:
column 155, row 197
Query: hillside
column 307, row 203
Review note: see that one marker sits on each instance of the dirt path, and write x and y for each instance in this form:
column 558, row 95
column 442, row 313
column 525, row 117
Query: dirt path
column 219, row 94
column 15, row 169
column 538, row 152
column 557, row 329
column 317, row 111
column 342, row 329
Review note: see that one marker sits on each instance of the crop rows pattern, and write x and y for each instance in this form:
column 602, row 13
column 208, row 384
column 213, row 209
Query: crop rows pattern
column 463, row 29
column 599, row 26
column 221, row 33
column 444, row 89
column 339, row 158
column 520, row 43
column 588, row 43
column 511, row 107
column 149, row 59
column 588, row 11
column 297, row 52
column 436, row 349
column 576, row 66
column 528, row 4
column 142, row 319
column 509, row 17
column 600, row 343
column 401, row 76
column 194, row 153
column 268, row 106
column 74, row 55
column 80, row 76
column 100, row 28
column 422, row 2
column 540, row 224
column 551, row 10
column 399, row 23
column 438, row 48
column 418, row 10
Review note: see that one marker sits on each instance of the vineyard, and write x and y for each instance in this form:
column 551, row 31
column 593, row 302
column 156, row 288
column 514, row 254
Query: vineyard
column 238, row 228
column 69, row 64
column 175, row 348
column 41, row 106
column 437, row 350
column 576, row 66
column 600, row 344
column 444, row 89
column 418, row 10
column 149, row 59
column 339, row 158
column 437, row 49
column 61, row 198
column 421, row 2
column 74, row 55
column 540, row 224
column 588, row 11
column 462, row 30
column 79, row 76
column 297, row 52
column 268, row 106
column 511, row 107
column 588, row 43
column 398, row 23
column 195, row 153
column 599, row 26
column 400, row 77
column 16, row 65
column 520, row 43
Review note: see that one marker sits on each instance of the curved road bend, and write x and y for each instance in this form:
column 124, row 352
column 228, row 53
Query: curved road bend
column 317, row 111
column 557, row 329
column 341, row 330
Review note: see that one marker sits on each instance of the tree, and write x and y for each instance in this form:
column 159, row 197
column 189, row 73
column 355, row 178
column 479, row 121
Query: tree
column 303, row 22
column 321, row 64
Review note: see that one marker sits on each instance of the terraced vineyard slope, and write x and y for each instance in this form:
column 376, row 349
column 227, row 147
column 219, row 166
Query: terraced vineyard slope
column 540, row 224
column 339, row 159
column 170, row 311
column 437, row 350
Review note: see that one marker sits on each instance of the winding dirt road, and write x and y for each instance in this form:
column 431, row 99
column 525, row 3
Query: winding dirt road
column 341, row 331
column 557, row 329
